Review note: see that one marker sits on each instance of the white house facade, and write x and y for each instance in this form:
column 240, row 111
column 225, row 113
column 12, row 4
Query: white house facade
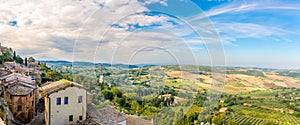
column 65, row 102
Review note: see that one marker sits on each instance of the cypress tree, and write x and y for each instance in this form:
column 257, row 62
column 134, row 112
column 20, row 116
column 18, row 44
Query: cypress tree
column 15, row 57
column 26, row 61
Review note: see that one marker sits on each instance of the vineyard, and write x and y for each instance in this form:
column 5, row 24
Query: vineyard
column 290, row 119
column 247, row 120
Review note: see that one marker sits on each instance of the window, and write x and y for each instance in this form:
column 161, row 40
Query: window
column 70, row 118
column 58, row 101
column 66, row 100
column 19, row 108
column 80, row 118
column 79, row 99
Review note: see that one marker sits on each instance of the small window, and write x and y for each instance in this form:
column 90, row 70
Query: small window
column 79, row 99
column 19, row 108
column 58, row 101
column 66, row 99
column 80, row 118
column 70, row 118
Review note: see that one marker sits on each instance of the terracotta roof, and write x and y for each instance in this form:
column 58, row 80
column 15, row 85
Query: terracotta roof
column 90, row 121
column 92, row 111
column 51, row 87
column 17, row 75
column 111, row 115
column 106, row 116
column 4, row 73
column 135, row 120
column 20, row 89
column 11, row 64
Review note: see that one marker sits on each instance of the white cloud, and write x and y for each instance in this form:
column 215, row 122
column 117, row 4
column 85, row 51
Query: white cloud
column 242, row 6
column 72, row 30
column 230, row 32
column 232, row 29
column 162, row 2
column 42, row 25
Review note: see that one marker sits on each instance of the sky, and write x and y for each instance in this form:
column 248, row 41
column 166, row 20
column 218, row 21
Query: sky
column 250, row 33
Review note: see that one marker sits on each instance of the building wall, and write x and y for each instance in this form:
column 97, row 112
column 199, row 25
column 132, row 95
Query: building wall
column 28, row 110
column 59, row 114
column 89, row 98
column 46, row 112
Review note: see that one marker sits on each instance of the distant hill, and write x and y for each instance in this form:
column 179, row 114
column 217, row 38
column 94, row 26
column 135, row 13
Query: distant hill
column 88, row 64
column 238, row 79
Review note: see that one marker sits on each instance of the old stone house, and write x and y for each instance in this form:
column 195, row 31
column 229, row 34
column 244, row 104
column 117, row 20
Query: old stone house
column 21, row 99
column 20, row 94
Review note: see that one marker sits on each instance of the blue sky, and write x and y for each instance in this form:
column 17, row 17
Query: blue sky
column 256, row 33
column 203, row 32
column 253, row 33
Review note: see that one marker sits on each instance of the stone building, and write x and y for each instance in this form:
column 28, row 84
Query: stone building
column 20, row 94
column 21, row 99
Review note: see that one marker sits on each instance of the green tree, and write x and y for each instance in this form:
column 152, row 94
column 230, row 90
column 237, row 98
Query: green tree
column 26, row 61
column 31, row 59
column 14, row 57
column 172, row 99
column 6, row 56
column 116, row 92
column 18, row 59
column 108, row 94
column 123, row 102
column 135, row 107
column 116, row 100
